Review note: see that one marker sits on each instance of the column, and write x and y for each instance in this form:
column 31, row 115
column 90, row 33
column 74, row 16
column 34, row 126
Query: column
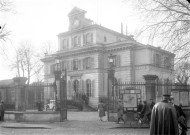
column 20, row 93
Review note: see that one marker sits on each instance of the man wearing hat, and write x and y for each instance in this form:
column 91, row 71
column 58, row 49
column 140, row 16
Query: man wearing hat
column 2, row 110
column 181, row 117
column 120, row 111
column 164, row 118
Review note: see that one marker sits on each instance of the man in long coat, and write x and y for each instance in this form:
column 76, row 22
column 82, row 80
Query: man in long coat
column 120, row 112
column 2, row 110
column 101, row 110
column 164, row 118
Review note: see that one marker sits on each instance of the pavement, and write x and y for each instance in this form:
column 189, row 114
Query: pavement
column 78, row 123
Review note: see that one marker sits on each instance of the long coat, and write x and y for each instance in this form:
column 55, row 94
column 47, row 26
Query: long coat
column 101, row 109
column 164, row 119
column 120, row 110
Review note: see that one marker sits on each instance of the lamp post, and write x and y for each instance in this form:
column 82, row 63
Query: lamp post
column 57, row 73
column 111, row 72
column 61, row 89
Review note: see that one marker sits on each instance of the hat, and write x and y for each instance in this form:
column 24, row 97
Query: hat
column 166, row 93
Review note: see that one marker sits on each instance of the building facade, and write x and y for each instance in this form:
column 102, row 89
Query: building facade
column 84, row 51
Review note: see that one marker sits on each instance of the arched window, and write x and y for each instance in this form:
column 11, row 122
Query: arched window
column 88, row 88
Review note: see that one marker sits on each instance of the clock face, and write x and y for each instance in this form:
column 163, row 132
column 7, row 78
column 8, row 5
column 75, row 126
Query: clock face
column 76, row 22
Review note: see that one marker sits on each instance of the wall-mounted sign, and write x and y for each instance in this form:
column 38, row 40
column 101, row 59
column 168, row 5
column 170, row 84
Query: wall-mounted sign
column 130, row 100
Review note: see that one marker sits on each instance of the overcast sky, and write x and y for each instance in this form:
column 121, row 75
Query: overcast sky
column 40, row 21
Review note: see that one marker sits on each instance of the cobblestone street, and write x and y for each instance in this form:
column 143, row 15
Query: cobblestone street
column 79, row 123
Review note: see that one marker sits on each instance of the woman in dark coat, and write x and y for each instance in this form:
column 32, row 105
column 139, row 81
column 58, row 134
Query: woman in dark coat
column 164, row 118
column 101, row 110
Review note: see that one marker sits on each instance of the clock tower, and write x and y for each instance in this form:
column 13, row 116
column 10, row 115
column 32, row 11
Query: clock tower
column 77, row 19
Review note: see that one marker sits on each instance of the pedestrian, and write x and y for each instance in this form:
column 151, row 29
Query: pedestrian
column 101, row 110
column 164, row 118
column 152, row 103
column 146, row 111
column 140, row 106
column 120, row 112
column 181, row 117
column 2, row 110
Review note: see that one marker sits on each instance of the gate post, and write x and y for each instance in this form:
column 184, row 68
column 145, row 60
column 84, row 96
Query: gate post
column 150, row 91
column 20, row 93
column 63, row 97
column 111, row 73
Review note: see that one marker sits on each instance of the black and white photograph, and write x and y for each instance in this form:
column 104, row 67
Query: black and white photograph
column 94, row 67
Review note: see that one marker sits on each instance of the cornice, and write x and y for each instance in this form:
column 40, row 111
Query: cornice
column 94, row 26
column 155, row 48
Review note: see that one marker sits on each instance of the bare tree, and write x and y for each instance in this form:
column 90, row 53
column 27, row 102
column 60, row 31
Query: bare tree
column 27, row 62
column 167, row 22
column 183, row 72
column 5, row 6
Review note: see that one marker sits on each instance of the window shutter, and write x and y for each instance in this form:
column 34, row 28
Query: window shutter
column 84, row 39
column 83, row 63
column 79, row 64
column 91, row 37
column 72, row 41
column 67, row 42
column 79, row 40
column 93, row 88
column 92, row 63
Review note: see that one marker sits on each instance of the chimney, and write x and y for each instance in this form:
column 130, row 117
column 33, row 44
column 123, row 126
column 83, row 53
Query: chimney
column 121, row 28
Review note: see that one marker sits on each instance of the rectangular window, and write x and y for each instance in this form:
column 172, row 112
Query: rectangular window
column 75, row 64
column 64, row 44
column 157, row 60
column 166, row 63
column 88, row 63
column 75, row 41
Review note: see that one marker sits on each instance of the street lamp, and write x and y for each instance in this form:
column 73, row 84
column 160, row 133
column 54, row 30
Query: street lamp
column 61, row 90
column 111, row 72
column 57, row 73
